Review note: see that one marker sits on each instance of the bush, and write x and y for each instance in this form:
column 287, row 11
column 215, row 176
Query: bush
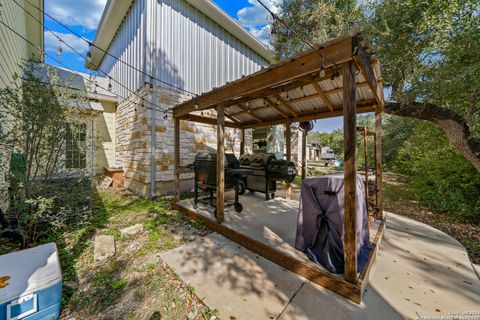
column 441, row 179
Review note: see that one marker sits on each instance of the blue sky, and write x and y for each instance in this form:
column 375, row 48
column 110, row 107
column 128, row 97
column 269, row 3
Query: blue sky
column 83, row 16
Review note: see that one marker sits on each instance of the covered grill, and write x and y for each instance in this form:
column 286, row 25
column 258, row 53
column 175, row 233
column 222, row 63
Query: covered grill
column 266, row 171
column 205, row 168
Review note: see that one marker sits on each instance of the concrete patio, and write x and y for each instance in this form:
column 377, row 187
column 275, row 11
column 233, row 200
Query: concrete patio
column 419, row 271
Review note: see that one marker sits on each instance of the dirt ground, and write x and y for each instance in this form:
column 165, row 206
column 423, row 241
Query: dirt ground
column 135, row 283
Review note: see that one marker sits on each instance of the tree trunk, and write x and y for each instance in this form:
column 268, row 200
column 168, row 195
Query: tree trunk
column 453, row 124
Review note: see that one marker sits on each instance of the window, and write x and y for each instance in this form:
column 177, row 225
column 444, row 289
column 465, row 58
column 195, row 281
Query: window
column 76, row 152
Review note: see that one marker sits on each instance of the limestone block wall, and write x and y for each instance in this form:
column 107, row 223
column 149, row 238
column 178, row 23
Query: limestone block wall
column 135, row 120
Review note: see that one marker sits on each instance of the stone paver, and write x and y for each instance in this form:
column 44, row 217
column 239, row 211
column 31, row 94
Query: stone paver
column 104, row 247
column 132, row 230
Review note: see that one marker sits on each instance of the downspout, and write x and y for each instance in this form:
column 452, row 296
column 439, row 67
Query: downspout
column 153, row 114
column 148, row 29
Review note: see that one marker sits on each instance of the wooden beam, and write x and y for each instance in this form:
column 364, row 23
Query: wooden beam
column 323, row 96
column 220, row 164
column 362, row 107
column 327, row 93
column 276, row 90
column 176, row 159
column 206, row 120
column 378, row 164
column 231, row 118
column 304, row 155
column 251, row 112
column 305, row 64
column 274, row 105
column 306, row 269
column 288, row 155
column 350, row 172
column 286, row 105
column 365, row 274
column 242, row 141
column 364, row 63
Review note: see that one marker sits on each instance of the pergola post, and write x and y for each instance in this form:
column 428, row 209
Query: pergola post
column 350, row 172
column 220, row 163
column 365, row 147
column 304, row 154
column 242, row 141
column 378, row 164
column 288, row 155
column 176, row 159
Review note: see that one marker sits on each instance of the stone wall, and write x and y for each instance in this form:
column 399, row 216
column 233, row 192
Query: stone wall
column 134, row 141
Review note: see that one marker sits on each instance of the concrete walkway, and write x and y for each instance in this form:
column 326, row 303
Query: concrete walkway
column 419, row 271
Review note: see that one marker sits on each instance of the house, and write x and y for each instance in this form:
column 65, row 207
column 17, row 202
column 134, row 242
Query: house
column 13, row 51
column 99, row 106
column 187, row 47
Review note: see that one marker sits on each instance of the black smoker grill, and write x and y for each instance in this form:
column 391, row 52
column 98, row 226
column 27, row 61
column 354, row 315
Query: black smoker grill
column 205, row 167
column 267, row 170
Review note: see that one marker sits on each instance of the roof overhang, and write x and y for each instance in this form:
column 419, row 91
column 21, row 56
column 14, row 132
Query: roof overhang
column 295, row 90
column 116, row 10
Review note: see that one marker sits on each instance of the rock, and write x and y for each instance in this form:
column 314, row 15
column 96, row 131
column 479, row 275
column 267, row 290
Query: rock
column 71, row 284
column 129, row 231
column 104, row 247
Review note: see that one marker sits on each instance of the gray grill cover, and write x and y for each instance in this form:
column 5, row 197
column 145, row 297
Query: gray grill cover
column 320, row 222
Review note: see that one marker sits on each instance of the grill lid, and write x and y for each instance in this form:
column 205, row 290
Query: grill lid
column 262, row 159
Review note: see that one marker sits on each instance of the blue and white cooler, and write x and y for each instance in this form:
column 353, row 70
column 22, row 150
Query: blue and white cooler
column 31, row 284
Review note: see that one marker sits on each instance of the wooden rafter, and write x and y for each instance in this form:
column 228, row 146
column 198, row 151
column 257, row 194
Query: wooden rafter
column 364, row 63
column 327, row 93
column 251, row 112
column 286, row 105
column 362, row 107
column 306, row 64
column 323, row 96
column 274, row 105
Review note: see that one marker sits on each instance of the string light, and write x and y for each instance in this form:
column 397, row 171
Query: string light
column 59, row 50
column 63, row 65
column 99, row 48
column 109, row 83
column 322, row 69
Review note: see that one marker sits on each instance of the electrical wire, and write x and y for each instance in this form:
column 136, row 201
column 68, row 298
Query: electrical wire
column 276, row 17
column 86, row 59
column 154, row 106
column 91, row 44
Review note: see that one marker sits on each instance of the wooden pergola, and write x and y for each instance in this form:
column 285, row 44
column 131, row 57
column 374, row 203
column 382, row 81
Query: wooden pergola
column 338, row 78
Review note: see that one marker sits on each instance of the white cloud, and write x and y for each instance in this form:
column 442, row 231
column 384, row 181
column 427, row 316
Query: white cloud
column 52, row 43
column 256, row 19
column 84, row 13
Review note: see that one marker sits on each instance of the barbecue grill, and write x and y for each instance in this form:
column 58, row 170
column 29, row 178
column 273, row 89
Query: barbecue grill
column 267, row 170
column 205, row 168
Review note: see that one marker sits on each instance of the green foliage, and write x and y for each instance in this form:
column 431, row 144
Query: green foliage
column 43, row 195
column 429, row 53
column 316, row 20
column 440, row 178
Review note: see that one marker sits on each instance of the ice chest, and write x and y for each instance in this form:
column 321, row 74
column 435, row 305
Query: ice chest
column 31, row 284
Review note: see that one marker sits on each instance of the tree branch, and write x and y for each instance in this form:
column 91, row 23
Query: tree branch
column 453, row 124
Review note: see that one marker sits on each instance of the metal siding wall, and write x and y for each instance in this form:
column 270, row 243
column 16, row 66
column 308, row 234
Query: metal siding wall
column 12, row 48
column 191, row 51
column 129, row 46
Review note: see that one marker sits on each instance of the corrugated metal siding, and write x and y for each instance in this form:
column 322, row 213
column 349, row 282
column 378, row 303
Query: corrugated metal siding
column 12, row 48
column 177, row 44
